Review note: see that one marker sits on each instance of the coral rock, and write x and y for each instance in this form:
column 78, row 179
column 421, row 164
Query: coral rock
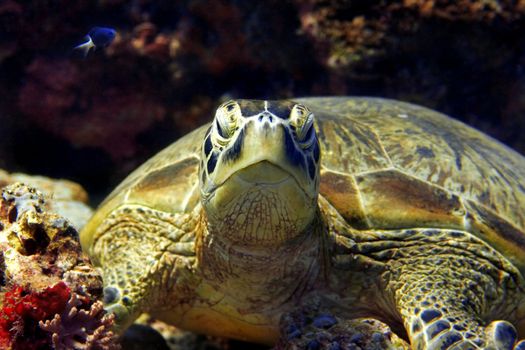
column 49, row 289
column 68, row 198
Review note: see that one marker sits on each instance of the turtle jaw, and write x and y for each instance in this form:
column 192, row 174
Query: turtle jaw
column 260, row 205
column 263, row 173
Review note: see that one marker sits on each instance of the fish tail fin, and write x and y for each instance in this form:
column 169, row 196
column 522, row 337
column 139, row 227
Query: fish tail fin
column 85, row 47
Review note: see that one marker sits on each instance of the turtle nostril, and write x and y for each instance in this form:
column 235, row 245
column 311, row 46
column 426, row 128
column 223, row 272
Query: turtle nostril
column 265, row 117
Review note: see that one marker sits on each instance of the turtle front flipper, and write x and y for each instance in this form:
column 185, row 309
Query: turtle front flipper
column 451, row 288
column 444, row 334
column 145, row 256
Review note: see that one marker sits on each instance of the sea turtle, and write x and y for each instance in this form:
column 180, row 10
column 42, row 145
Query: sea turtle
column 376, row 208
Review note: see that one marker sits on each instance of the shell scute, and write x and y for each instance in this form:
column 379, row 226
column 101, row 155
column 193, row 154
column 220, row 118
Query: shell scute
column 172, row 188
column 465, row 161
column 394, row 200
column 341, row 191
column 156, row 172
column 492, row 228
column 360, row 146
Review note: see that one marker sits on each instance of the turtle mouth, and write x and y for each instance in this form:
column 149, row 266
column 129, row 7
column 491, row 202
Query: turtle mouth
column 261, row 204
column 262, row 173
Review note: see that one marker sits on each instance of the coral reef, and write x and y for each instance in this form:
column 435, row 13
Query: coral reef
column 341, row 40
column 75, row 328
column 67, row 198
column 49, row 289
column 58, row 98
column 466, row 10
column 22, row 310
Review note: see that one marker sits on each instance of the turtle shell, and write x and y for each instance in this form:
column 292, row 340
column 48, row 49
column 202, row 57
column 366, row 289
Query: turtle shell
column 166, row 182
column 385, row 165
column 388, row 164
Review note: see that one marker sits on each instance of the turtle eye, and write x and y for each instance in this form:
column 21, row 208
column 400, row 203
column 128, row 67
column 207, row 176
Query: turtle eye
column 226, row 118
column 302, row 120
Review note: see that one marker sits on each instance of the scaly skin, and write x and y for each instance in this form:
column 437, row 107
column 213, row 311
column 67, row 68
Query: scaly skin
column 449, row 288
column 435, row 305
column 212, row 292
column 141, row 272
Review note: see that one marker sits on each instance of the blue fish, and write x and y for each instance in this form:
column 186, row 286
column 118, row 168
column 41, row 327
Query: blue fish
column 97, row 37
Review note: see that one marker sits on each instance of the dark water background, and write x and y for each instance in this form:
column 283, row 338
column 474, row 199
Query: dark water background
column 94, row 120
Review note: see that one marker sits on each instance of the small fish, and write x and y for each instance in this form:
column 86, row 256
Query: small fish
column 97, row 37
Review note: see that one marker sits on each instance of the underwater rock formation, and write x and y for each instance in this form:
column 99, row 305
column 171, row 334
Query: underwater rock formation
column 67, row 198
column 151, row 334
column 331, row 333
column 345, row 32
column 313, row 328
column 59, row 98
column 49, row 291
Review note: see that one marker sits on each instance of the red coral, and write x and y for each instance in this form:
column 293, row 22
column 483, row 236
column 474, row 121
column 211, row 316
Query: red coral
column 22, row 310
column 54, row 318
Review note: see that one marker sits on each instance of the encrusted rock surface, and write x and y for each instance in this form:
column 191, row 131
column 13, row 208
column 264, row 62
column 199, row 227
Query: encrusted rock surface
column 311, row 328
column 369, row 334
column 65, row 198
column 346, row 33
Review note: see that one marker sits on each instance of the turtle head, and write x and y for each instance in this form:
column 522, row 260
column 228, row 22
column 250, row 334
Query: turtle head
column 259, row 172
